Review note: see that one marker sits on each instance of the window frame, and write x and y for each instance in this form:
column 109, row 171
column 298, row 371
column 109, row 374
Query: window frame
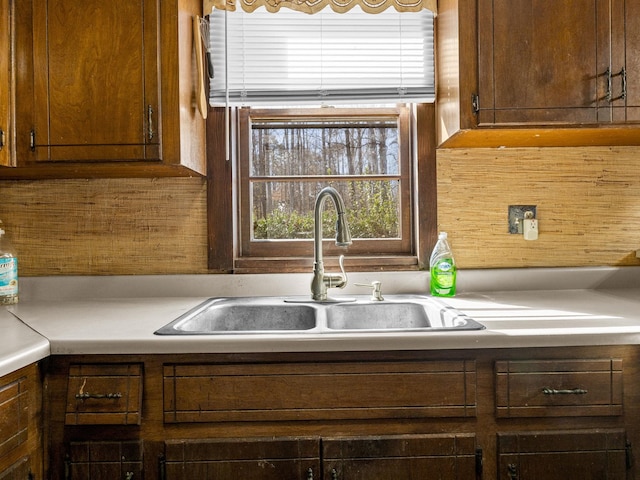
column 225, row 251
column 304, row 247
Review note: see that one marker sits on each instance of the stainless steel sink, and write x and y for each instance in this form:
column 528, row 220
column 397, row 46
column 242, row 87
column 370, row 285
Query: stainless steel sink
column 237, row 315
column 414, row 313
column 376, row 316
column 275, row 315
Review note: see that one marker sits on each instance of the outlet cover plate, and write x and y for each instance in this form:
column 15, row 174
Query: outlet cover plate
column 516, row 215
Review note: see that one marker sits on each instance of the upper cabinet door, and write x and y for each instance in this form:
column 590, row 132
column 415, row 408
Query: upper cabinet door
column 5, row 83
column 543, row 61
column 96, row 87
column 625, row 61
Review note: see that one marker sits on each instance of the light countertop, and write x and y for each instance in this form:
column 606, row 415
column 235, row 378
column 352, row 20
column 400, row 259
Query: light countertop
column 118, row 319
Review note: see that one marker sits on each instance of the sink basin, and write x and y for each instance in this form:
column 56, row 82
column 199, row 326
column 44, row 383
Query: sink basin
column 242, row 315
column 277, row 315
column 417, row 314
column 376, row 316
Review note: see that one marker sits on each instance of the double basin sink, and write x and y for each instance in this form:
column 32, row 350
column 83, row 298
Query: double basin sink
column 282, row 315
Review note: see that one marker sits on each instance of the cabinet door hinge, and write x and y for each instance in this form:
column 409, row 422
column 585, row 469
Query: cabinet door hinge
column 479, row 463
column 628, row 454
column 475, row 103
column 162, row 467
column 67, row 468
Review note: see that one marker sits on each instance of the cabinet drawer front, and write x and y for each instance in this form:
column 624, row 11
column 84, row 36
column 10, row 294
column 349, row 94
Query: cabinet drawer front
column 559, row 388
column 218, row 393
column 14, row 414
column 106, row 394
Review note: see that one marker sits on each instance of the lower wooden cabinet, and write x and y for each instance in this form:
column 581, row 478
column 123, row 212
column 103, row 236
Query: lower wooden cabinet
column 242, row 458
column 559, row 455
column 445, row 457
column 501, row 414
column 104, row 460
column 20, row 470
column 21, row 425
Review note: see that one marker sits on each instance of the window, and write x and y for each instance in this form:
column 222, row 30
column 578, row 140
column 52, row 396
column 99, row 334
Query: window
column 382, row 160
column 391, row 209
column 287, row 157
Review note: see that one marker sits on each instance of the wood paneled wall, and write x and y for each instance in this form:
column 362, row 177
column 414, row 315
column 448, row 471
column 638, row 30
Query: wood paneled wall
column 588, row 205
column 588, row 202
column 107, row 226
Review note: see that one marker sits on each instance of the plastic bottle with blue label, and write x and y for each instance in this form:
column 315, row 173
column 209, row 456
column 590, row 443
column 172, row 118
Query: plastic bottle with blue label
column 443, row 269
column 8, row 271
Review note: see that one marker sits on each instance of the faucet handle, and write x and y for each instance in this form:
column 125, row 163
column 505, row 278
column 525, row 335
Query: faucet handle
column 376, row 292
column 336, row 280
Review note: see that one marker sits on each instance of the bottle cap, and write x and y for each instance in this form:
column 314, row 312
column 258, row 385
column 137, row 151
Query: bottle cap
column 442, row 235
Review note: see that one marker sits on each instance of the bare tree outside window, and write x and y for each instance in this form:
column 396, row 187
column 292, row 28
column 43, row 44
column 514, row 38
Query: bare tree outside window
column 288, row 156
column 293, row 160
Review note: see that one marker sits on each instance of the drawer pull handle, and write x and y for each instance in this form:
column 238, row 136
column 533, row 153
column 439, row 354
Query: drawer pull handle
column 84, row 396
column 574, row 391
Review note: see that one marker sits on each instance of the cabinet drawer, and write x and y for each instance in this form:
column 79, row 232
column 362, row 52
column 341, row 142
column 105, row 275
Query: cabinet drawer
column 14, row 414
column 104, row 394
column 301, row 391
column 554, row 388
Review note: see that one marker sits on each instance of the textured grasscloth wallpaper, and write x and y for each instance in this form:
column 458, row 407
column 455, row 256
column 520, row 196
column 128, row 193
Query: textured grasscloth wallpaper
column 588, row 203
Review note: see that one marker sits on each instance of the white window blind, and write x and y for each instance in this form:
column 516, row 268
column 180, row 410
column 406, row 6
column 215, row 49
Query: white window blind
column 292, row 58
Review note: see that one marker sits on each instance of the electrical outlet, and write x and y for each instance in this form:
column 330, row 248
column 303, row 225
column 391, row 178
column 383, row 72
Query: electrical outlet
column 516, row 216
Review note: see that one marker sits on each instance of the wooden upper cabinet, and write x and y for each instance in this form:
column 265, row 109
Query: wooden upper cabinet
column 5, row 82
column 542, row 62
column 97, row 99
column 626, row 54
column 106, row 88
column 549, row 63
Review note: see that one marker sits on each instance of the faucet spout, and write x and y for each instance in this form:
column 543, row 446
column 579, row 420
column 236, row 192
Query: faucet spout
column 321, row 281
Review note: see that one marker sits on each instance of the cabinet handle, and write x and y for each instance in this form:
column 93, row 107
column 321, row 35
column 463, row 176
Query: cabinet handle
column 334, row 474
column 84, row 396
column 573, row 391
column 623, row 79
column 512, row 471
column 128, row 476
column 1, row 139
column 310, row 474
column 151, row 131
column 32, row 140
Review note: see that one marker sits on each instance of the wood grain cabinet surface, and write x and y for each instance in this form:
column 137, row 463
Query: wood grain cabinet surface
column 583, row 455
column 6, row 83
column 452, row 415
column 105, row 394
column 104, row 89
column 243, row 458
column 446, row 457
column 312, row 391
column 21, row 448
column 558, row 62
column 540, row 388
column 105, row 460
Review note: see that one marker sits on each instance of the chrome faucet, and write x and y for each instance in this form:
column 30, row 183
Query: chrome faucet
column 322, row 281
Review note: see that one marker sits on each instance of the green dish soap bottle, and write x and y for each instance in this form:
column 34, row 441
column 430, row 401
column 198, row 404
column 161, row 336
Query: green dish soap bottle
column 8, row 271
column 443, row 269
